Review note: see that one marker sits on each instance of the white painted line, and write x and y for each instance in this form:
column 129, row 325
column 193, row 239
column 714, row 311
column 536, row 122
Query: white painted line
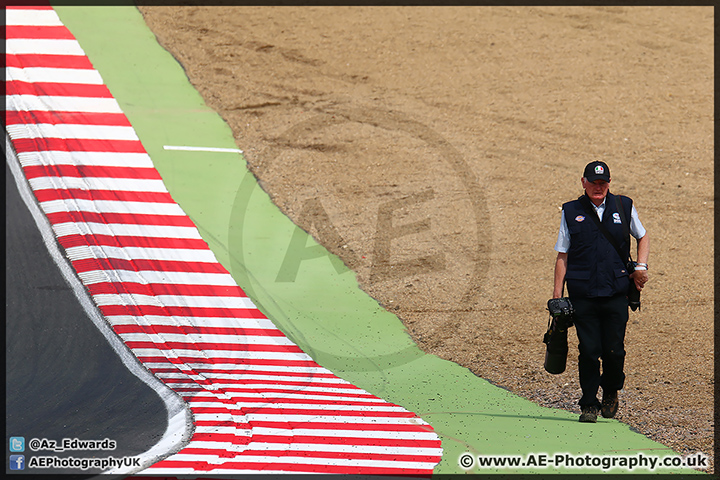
column 202, row 149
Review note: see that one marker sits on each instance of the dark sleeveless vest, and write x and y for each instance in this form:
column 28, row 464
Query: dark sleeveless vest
column 594, row 268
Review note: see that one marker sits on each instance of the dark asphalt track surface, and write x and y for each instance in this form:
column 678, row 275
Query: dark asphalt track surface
column 63, row 379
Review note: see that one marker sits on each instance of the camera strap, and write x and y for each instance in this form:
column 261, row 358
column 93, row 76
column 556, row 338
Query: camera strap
column 585, row 202
column 625, row 223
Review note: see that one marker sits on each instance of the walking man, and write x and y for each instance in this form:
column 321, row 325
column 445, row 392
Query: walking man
column 597, row 280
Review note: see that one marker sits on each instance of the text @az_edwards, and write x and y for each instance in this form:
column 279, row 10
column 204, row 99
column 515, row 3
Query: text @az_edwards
column 71, row 444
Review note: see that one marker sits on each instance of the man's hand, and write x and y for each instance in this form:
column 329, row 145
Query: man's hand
column 640, row 277
column 643, row 251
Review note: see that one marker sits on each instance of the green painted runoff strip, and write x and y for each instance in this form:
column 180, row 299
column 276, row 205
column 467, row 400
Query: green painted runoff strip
column 323, row 310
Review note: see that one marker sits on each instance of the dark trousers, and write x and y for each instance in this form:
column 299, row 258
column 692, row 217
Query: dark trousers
column 600, row 324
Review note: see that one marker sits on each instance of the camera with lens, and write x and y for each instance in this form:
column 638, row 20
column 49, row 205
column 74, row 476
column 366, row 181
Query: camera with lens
column 561, row 318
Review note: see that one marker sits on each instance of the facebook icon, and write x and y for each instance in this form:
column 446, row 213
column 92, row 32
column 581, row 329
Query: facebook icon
column 17, row 462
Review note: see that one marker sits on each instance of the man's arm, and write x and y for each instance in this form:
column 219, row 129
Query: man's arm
column 643, row 252
column 643, row 249
column 560, row 269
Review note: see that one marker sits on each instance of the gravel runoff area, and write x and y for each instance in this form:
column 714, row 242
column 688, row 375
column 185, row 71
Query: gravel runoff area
column 432, row 147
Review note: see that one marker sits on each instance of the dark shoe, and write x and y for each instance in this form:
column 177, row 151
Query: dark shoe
column 589, row 414
column 609, row 404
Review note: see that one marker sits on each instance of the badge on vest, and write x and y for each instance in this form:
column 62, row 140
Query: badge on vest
column 616, row 218
column 579, row 218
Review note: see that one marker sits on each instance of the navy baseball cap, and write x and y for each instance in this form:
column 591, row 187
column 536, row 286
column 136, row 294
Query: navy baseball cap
column 597, row 171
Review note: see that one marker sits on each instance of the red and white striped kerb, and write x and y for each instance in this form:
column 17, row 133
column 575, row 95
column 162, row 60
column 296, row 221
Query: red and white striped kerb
column 259, row 403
